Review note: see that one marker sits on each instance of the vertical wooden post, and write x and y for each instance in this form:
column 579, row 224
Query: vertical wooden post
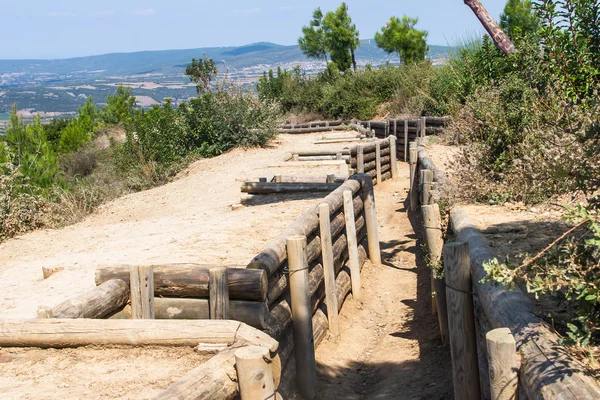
column 255, row 376
column 378, row 161
column 405, row 140
column 277, row 178
column 368, row 195
column 141, row 283
column 387, row 128
column 339, row 156
column 329, row 269
column 432, row 221
column 502, row 362
column 413, row 194
column 218, row 288
column 360, row 159
column 393, row 163
column 426, row 182
column 369, row 125
column 423, row 126
column 352, row 245
column 395, row 126
column 330, row 178
column 461, row 321
column 304, row 346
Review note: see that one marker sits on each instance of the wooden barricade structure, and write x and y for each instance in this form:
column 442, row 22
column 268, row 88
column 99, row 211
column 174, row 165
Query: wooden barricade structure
column 490, row 326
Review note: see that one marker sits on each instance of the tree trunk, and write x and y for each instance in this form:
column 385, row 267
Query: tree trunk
column 500, row 38
column 353, row 59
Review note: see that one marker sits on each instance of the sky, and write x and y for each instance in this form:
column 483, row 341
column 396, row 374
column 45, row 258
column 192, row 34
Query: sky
column 72, row 28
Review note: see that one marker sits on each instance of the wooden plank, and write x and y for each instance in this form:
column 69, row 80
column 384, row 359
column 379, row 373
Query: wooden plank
column 461, row 322
column 353, row 261
column 141, row 282
column 301, row 311
column 393, row 156
column 413, row 193
column 405, row 141
column 502, row 361
column 95, row 303
column 378, row 162
column 288, row 187
column 329, row 269
column 191, row 280
column 368, row 195
column 219, row 293
column 253, row 313
column 60, row 333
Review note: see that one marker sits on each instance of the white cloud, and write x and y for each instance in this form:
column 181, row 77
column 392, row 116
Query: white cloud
column 101, row 14
column 144, row 13
column 247, row 11
column 60, row 14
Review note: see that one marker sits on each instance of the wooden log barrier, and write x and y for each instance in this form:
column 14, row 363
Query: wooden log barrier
column 95, row 303
column 432, row 222
column 546, row 371
column 254, row 373
column 461, row 321
column 275, row 254
column 62, row 333
column 329, row 269
column 287, row 187
column 303, row 333
column 141, row 283
column 502, row 362
column 278, row 282
column 219, row 293
column 191, row 280
column 368, row 195
column 253, row 313
column 353, row 261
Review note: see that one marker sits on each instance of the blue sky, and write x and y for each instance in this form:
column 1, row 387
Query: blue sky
column 70, row 28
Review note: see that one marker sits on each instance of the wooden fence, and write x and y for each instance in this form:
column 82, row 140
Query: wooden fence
column 488, row 325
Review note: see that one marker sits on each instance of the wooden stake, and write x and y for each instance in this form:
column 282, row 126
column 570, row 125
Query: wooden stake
column 218, row 286
column 502, row 362
column 141, row 283
column 378, row 162
column 393, row 155
column 329, row 269
column 368, row 194
column 423, row 126
column 360, row 159
column 254, row 373
column 413, row 194
column 395, row 125
column 304, row 346
column 330, row 178
column 405, row 140
column 352, row 245
column 432, row 221
column 461, row 321
column 426, row 182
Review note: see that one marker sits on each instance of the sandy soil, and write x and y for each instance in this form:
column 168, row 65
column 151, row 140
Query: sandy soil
column 389, row 346
column 93, row 372
column 188, row 220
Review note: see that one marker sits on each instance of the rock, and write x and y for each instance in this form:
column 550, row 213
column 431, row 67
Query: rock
column 49, row 271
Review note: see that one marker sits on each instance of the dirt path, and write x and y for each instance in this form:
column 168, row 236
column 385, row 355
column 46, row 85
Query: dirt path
column 389, row 346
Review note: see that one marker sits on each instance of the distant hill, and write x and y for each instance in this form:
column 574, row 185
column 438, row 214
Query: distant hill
column 164, row 61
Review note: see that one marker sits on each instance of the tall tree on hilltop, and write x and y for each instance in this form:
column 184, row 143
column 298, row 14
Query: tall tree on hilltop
column 519, row 18
column 342, row 37
column 313, row 42
column 400, row 36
